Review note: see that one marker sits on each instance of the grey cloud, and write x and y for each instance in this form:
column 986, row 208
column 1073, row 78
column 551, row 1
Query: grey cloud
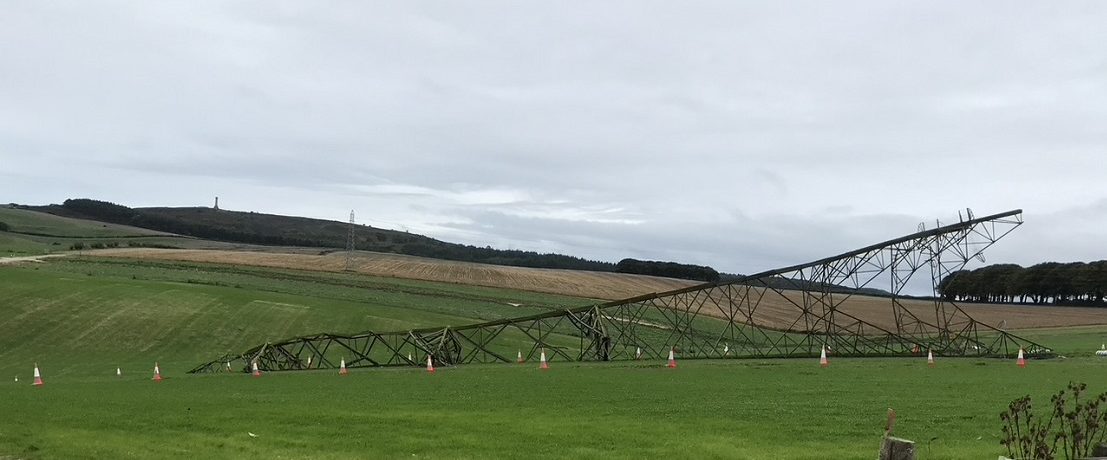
column 741, row 135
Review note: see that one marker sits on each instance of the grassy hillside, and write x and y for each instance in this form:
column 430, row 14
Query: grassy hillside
column 80, row 318
column 26, row 232
column 42, row 224
column 31, row 232
column 82, row 314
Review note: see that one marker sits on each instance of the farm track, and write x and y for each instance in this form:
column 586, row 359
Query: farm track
column 775, row 311
column 16, row 260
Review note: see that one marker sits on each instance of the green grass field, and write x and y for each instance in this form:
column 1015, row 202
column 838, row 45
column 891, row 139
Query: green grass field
column 80, row 318
column 702, row 409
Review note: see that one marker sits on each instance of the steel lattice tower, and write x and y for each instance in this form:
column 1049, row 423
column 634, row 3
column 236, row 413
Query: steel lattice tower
column 350, row 241
column 787, row 312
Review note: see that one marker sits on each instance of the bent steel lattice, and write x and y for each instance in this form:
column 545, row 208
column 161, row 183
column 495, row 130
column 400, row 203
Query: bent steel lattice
column 787, row 312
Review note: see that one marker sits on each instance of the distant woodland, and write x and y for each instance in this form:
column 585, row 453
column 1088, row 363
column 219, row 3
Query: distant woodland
column 667, row 269
column 1048, row 283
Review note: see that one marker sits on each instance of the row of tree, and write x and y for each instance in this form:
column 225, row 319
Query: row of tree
column 667, row 269
column 512, row 257
column 1049, row 283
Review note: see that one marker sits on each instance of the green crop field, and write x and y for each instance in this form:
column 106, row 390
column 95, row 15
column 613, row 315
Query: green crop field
column 81, row 317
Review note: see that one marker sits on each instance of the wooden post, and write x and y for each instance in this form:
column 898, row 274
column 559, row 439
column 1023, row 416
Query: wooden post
column 897, row 449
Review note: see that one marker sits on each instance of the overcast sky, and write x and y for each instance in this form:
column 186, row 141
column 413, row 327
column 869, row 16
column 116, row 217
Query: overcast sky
column 741, row 135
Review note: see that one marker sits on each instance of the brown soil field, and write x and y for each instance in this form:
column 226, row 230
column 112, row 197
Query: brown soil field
column 775, row 310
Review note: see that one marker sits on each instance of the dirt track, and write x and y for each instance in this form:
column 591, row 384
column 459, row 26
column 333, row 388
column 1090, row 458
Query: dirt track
column 15, row 260
column 774, row 310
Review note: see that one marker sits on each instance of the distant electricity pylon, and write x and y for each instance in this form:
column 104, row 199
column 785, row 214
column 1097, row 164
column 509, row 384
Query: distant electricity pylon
column 350, row 241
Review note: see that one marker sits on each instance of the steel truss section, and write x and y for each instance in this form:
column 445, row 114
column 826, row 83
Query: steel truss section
column 788, row 312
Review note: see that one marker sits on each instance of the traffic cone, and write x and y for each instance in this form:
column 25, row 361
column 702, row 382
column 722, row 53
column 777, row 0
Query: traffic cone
column 930, row 358
column 519, row 359
column 256, row 373
column 822, row 358
column 342, row 367
column 38, row 377
column 118, row 372
column 1022, row 360
column 430, row 364
column 638, row 353
column 672, row 359
column 157, row 373
column 542, row 359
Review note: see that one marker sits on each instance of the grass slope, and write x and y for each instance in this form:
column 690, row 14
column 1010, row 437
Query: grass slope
column 38, row 223
column 32, row 232
column 81, row 317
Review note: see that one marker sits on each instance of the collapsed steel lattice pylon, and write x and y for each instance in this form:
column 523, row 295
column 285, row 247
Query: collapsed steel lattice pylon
column 788, row 312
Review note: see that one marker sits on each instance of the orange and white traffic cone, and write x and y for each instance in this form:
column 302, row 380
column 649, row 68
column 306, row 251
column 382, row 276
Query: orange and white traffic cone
column 930, row 358
column 519, row 359
column 638, row 353
column 542, row 359
column 1022, row 359
column 822, row 358
column 254, row 366
column 38, row 377
column 430, row 364
column 157, row 373
column 672, row 359
column 342, row 367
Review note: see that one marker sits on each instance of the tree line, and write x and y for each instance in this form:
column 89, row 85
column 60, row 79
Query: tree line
column 667, row 269
column 1049, row 283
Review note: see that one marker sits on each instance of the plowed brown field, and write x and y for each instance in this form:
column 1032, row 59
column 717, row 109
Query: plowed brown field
column 775, row 310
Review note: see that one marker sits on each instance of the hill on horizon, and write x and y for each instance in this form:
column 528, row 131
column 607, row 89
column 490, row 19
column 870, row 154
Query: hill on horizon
column 278, row 230
column 254, row 228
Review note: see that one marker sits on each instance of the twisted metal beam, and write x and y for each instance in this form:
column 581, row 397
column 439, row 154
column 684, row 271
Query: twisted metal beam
column 787, row 312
